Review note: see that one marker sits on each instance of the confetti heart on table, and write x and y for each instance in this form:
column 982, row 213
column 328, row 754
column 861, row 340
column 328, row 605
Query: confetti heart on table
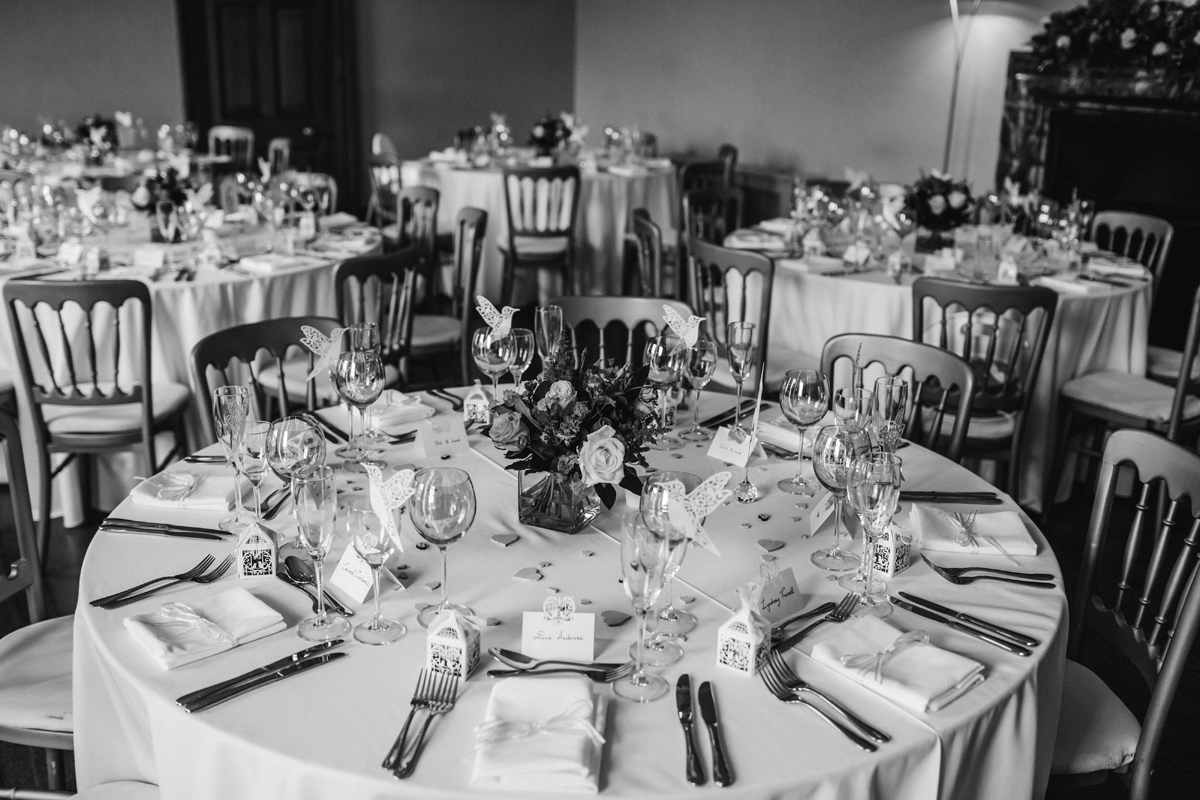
column 402, row 576
column 528, row 574
column 746, row 525
column 493, row 621
column 764, row 517
column 433, row 585
column 614, row 618
column 544, row 564
column 505, row 539
column 770, row 544
column 768, row 557
column 553, row 589
column 585, row 602
column 687, row 600
column 588, row 554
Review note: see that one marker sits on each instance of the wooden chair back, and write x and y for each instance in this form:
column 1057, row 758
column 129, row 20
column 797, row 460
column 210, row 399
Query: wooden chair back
column 1144, row 238
column 1184, row 385
column 381, row 144
column 279, row 155
column 615, row 327
column 25, row 574
column 385, row 186
column 14, row 186
column 698, row 175
column 324, row 188
column 232, row 141
column 647, row 263
column 728, row 155
column 709, row 215
column 648, row 146
column 417, row 212
column 1151, row 611
column 469, row 229
column 542, row 202
column 732, row 286
column 380, row 289
column 243, row 354
column 939, row 383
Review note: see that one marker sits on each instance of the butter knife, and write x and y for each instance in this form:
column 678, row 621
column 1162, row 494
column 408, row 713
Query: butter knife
column 722, row 776
column 683, row 705
column 983, row 636
column 262, row 680
column 1019, row 638
column 294, row 658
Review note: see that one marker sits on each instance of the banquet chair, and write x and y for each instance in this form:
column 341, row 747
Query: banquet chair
column 648, row 146
column 35, row 661
column 448, row 335
column 381, row 144
column 1143, row 238
column 416, row 225
column 381, row 289
column 14, row 185
column 257, row 354
column 735, row 286
column 237, row 143
column 1147, row 610
column 542, row 204
column 712, row 214
column 728, row 155
column 323, row 186
column 1002, row 331
column 615, row 327
column 279, row 154
column 72, row 339
column 643, row 268
column 384, row 172
column 941, row 385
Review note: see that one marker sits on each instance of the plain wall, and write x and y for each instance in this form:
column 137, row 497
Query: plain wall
column 813, row 86
column 430, row 68
column 69, row 59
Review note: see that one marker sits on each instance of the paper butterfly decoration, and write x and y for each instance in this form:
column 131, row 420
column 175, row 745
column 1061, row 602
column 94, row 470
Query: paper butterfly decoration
column 264, row 168
column 689, row 331
column 326, row 348
column 499, row 321
column 687, row 510
column 386, row 496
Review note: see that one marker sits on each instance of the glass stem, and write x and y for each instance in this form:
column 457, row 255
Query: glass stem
column 696, row 416
column 378, row 612
column 668, row 613
column 257, row 502
column 638, row 678
column 662, row 409
column 868, row 563
column 495, row 389
column 240, row 503
column 317, row 561
column 800, row 456
column 737, row 410
column 837, row 527
column 362, row 431
column 445, row 593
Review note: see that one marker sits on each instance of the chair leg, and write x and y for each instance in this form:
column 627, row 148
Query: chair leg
column 54, row 769
column 47, row 495
column 1050, row 479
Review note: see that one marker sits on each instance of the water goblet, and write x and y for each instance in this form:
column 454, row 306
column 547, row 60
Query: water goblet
column 804, row 398
column 295, row 446
column 314, row 505
column 888, row 408
column 442, row 509
column 835, row 450
column 664, row 357
column 643, row 562
column 874, row 489
column 701, row 364
column 363, row 337
column 522, row 346
column 231, row 407
column 739, row 339
column 373, row 543
column 358, row 378
column 493, row 355
column 548, row 329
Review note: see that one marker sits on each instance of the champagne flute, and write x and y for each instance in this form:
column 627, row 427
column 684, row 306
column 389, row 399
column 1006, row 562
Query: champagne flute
column 493, row 355
column 314, row 505
column 853, row 407
column 373, row 543
column 669, row 621
column 231, row 407
column 358, row 378
column 548, row 329
column 701, row 364
column 442, row 509
column 888, row 408
column 254, row 464
column 643, row 561
column 804, row 398
column 875, row 486
column 739, row 340
column 664, row 357
column 522, row 345
column 834, row 453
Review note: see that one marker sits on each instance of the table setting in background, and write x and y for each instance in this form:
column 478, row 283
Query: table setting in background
column 327, row 651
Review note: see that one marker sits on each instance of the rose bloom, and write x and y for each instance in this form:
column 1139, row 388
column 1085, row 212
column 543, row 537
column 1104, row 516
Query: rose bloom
column 1063, row 42
column 561, row 393
column 1128, row 37
column 937, row 204
column 141, row 196
column 602, row 457
column 1189, row 4
column 1160, row 49
column 509, row 432
column 957, row 199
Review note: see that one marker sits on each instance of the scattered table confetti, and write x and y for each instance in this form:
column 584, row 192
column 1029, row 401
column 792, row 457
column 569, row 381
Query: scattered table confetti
column 770, row 544
column 528, row 574
column 614, row 618
column 505, row 539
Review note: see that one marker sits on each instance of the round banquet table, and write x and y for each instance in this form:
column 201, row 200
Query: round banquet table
column 324, row 733
column 1105, row 329
column 605, row 203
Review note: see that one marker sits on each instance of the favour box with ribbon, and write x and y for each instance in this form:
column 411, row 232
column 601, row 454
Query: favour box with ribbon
column 255, row 554
column 744, row 641
column 893, row 552
column 477, row 406
column 452, row 644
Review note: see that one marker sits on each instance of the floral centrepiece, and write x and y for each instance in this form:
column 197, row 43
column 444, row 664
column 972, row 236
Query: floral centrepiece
column 578, row 427
column 1121, row 34
column 554, row 133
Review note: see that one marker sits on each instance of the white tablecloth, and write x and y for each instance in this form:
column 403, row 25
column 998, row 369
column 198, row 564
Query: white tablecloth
column 323, row 734
column 605, row 202
column 1105, row 329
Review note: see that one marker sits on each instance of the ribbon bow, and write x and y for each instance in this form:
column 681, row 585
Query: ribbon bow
column 450, row 613
column 176, row 486
column 867, row 663
column 183, row 613
column 569, row 721
column 965, row 537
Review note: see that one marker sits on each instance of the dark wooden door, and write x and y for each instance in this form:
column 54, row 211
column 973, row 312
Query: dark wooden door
column 283, row 68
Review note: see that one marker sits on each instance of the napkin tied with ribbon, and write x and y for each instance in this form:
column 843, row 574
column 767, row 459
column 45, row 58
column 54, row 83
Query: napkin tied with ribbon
column 995, row 533
column 181, row 488
column 397, row 408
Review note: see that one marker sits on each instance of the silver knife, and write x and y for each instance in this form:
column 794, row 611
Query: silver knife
column 167, row 533
column 722, row 776
column 121, row 522
column 263, row 680
column 683, row 704
column 1019, row 638
column 995, row 641
column 294, row 658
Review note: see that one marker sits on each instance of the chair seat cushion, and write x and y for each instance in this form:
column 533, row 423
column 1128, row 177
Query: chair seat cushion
column 120, row 790
column 169, row 399
column 1130, row 395
column 295, row 369
column 1096, row 732
column 779, row 361
column 435, row 331
column 538, row 247
column 1163, row 364
column 984, row 427
column 35, row 677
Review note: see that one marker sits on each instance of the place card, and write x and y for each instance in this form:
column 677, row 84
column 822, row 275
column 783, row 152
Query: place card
column 308, row 226
column 352, row 576
column 732, row 447
column 1008, row 272
column 558, row 632
column 149, row 257
column 780, row 597
column 442, row 435
column 820, row 512
column 70, row 253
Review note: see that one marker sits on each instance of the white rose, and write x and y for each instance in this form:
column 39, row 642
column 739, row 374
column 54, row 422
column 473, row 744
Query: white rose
column 140, row 196
column 1128, row 37
column 1189, row 4
column 1063, row 42
column 957, row 199
column 602, row 457
column 1160, row 49
column 937, row 204
column 562, row 393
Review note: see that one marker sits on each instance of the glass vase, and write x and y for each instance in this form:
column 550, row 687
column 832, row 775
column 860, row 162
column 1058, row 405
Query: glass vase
column 554, row 501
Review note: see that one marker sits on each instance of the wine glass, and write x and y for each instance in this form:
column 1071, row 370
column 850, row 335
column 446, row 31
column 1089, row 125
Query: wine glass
column 699, row 368
column 522, row 347
column 664, row 356
column 669, row 621
column 373, row 543
column 875, row 487
column 442, row 509
column 358, row 378
column 363, row 337
column 643, row 562
column 836, row 448
column 853, row 407
column 165, row 218
column 314, row 505
column 231, row 407
column 888, row 408
column 548, row 329
column 493, row 355
column 253, row 456
column 804, row 398
column 739, row 340
column 295, row 446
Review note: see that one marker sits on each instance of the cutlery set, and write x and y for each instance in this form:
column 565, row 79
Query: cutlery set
column 456, row 402
column 120, row 525
column 435, row 694
column 995, row 635
column 298, row 662
column 726, row 417
column 961, row 498
column 523, row 666
column 196, row 574
column 722, row 775
column 296, row 572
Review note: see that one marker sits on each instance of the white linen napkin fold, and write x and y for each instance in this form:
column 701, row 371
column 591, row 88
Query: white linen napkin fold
column 396, row 408
column 627, row 170
column 182, row 488
column 1107, row 266
column 781, row 226
column 994, row 533
column 268, row 263
column 754, row 240
column 1071, row 285
column 920, row 677
column 180, row 633
column 814, row 265
column 535, row 737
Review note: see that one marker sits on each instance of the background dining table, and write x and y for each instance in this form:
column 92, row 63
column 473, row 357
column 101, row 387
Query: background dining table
column 323, row 734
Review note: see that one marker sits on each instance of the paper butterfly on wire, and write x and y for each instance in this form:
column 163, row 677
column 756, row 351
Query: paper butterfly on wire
column 326, row 348
column 387, row 496
column 686, row 511
column 688, row 332
column 499, row 321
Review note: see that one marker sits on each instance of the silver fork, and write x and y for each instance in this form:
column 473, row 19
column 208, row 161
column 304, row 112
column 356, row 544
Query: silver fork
column 840, row 614
column 422, row 696
column 795, row 684
column 202, row 565
column 440, row 704
column 784, row 694
column 216, row 572
column 598, row 675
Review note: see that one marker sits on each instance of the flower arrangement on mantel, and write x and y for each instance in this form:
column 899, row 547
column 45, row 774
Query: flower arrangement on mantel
column 1121, row 35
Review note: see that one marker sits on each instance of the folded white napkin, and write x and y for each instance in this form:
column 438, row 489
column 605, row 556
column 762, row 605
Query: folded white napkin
column 339, row 220
column 658, row 163
column 180, row 633
column 276, row 262
column 921, row 677
column 813, row 264
column 754, row 240
column 627, row 170
column 1071, row 285
column 780, row 226
column 396, row 408
column 182, row 488
column 544, row 735
column 1107, row 266
column 992, row 533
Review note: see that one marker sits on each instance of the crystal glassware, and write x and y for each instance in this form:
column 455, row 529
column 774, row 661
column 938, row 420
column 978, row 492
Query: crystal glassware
column 875, row 489
column 253, row 457
column 548, row 329
column 700, row 365
column 166, row 219
column 363, row 337
column 493, row 355
column 358, row 378
column 373, row 543
column 853, row 407
column 804, row 398
column 664, row 357
column 442, row 509
column 643, row 562
column 230, row 408
column 739, row 342
column 522, row 347
column 835, row 450
column 295, row 446
column 889, row 407
column 668, row 621
column 314, row 505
